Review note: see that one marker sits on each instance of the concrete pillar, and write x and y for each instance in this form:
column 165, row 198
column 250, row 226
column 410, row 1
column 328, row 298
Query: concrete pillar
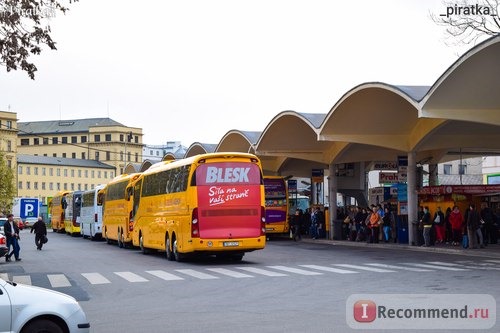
column 412, row 199
column 332, row 200
column 433, row 175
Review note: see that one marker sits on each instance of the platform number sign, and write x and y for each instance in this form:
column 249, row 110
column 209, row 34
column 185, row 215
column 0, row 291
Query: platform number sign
column 29, row 208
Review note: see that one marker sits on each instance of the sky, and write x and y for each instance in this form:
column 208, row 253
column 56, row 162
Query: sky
column 192, row 70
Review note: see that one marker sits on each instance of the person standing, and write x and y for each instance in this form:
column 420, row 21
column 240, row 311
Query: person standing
column 472, row 222
column 297, row 225
column 40, row 232
column 11, row 231
column 456, row 221
column 439, row 225
column 427, row 225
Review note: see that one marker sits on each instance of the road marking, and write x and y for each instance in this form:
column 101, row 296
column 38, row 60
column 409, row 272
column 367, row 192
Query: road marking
column 463, row 265
column 329, row 269
column 131, row 277
column 22, row 279
column 196, row 274
column 363, row 268
column 58, row 280
column 436, row 267
column 411, row 269
column 261, row 271
column 164, row 275
column 295, row 270
column 229, row 272
column 95, row 278
column 4, row 276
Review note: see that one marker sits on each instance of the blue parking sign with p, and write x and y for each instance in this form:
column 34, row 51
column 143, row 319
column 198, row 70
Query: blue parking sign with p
column 29, row 208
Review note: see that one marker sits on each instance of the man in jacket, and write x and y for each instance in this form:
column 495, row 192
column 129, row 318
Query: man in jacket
column 40, row 232
column 11, row 231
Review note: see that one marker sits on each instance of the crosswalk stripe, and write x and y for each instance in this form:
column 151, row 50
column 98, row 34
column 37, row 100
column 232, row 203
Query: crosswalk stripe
column 229, row 272
column 196, row 274
column 295, row 270
column 411, row 269
column 22, row 279
column 95, row 278
column 480, row 267
column 4, row 276
column 164, row 275
column 131, row 277
column 329, row 269
column 261, row 271
column 58, row 280
column 436, row 267
column 364, row 268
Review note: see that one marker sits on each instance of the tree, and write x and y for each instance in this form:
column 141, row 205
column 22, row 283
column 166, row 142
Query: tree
column 468, row 22
column 7, row 186
column 24, row 30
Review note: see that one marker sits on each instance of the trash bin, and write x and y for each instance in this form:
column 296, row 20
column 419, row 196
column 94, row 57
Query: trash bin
column 337, row 229
column 402, row 227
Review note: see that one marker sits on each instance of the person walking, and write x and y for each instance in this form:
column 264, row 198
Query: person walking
column 11, row 231
column 297, row 225
column 40, row 230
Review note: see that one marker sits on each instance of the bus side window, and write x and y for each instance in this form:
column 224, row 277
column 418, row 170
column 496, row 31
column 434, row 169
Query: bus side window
column 130, row 190
column 64, row 203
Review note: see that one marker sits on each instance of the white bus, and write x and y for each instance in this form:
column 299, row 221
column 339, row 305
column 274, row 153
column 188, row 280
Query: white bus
column 91, row 214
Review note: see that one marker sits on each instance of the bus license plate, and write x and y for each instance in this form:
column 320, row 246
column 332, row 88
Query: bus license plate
column 231, row 244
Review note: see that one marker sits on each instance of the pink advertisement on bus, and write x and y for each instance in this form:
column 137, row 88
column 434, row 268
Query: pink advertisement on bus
column 229, row 199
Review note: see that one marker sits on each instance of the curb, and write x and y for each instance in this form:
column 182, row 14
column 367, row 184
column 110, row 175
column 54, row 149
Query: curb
column 492, row 251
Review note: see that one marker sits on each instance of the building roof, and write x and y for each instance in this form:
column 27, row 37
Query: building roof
column 63, row 126
column 61, row 161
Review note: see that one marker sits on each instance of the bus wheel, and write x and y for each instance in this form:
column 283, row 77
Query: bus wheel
column 119, row 239
column 141, row 245
column 178, row 256
column 168, row 249
column 237, row 257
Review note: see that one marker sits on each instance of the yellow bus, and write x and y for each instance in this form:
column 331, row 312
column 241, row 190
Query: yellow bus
column 117, row 209
column 58, row 207
column 72, row 214
column 276, row 194
column 205, row 204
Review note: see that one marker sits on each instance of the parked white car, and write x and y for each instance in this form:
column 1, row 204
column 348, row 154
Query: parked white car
column 29, row 309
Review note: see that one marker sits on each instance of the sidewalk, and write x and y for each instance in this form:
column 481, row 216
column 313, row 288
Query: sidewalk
column 491, row 251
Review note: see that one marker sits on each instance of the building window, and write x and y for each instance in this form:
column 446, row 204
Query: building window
column 86, row 187
column 86, row 173
column 72, row 186
column 43, row 186
column 447, row 169
column 108, row 137
column 83, row 155
column 51, row 172
column 121, row 137
column 51, row 186
column 9, row 163
column 93, row 174
column 74, row 139
column 9, row 124
column 72, row 173
column 54, row 140
column 136, row 157
column 36, row 141
column 65, row 171
column 9, row 145
column 35, row 169
column 151, row 152
column 44, row 170
column 111, row 174
column 83, row 139
column 64, row 139
column 28, row 170
column 20, row 185
column 45, row 141
column 99, row 174
column 79, row 173
column 28, row 185
column 58, row 186
column 97, row 138
column 25, row 142
column 35, row 185
column 65, row 186
column 79, row 187
column 58, row 172
column 462, row 169
column 121, row 156
column 108, row 156
column 20, row 170
column 73, row 155
column 128, row 156
column 97, row 156
column 54, row 155
column 105, row 174
column 64, row 155
column 136, row 139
